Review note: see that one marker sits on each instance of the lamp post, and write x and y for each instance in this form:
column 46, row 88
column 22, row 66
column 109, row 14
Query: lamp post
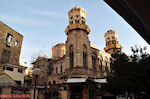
column 36, row 72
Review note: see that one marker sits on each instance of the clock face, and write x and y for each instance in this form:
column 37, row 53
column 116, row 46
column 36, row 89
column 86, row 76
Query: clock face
column 9, row 40
column 114, row 42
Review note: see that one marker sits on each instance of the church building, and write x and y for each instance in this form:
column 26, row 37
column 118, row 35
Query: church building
column 77, row 67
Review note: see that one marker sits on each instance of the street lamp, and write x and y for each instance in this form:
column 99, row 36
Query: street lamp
column 36, row 72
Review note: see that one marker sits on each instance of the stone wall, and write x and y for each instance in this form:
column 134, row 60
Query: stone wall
column 9, row 48
column 44, row 65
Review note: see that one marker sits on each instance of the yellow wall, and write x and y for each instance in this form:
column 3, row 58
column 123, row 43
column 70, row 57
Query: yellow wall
column 63, row 94
column 1, row 69
column 15, row 75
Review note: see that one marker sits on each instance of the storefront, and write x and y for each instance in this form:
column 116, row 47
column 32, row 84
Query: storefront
column 82, row 88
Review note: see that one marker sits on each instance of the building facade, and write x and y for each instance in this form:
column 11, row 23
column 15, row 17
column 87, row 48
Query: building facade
column 112, row 43
column 10, row 44
column 77, row 67
column 77, row 53
column 10, row 48
column 17, row 73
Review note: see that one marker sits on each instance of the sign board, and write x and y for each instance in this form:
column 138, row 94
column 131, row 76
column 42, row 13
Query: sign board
column 15, row 96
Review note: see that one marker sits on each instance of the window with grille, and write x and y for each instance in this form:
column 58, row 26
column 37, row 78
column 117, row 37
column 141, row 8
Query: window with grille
column 9, row 69
column 61, row 68
column 5, row 56
column 94, row 61
column 9, row 40
column 71, row 56
column 56, row 70
column 84, row 56
column 20, row 70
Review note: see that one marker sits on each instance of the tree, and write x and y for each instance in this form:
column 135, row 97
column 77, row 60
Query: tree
column 117, row 77
column 141, row 62
column 130, row 74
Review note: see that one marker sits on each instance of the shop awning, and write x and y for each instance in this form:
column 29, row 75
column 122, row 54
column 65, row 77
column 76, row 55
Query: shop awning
column 81, row 80
column 100, row 80
column 76, row 80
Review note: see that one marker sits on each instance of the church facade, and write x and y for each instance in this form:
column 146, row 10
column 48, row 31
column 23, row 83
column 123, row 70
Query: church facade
column 77, row 67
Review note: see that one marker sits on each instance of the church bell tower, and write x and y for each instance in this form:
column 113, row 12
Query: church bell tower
column 77, row 44
column 112, row 44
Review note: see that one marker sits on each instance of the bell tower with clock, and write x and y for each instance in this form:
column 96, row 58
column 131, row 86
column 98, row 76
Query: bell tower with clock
column 112, row 44
column 77, row 44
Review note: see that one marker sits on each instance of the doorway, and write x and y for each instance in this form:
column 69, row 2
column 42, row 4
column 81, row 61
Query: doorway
column 76, row 92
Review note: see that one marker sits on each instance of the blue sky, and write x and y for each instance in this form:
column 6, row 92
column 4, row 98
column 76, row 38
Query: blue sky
column 42, row 23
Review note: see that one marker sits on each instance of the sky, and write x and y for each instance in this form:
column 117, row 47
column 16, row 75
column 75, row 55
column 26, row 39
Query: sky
column 43, row 22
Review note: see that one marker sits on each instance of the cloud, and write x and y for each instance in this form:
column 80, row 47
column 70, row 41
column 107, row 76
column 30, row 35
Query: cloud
column 25, row 21
column 48, row 13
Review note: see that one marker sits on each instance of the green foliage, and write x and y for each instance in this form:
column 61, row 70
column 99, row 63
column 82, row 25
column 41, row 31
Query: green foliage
column 117, row 78
column 130, row 74
column 57, row 98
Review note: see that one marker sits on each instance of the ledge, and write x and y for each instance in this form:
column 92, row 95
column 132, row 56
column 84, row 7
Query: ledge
column 112, row 46
column 77, row 26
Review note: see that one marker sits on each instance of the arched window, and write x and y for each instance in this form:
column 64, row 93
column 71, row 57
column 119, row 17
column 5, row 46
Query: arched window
column 63, row 52
column 57, row 52
column 106, row 61
column 106, row 65
column 71, row 17
column 9, row 40
column 109, row 42
column 94, row 61
column 61, row 68
column 71, row 56
column 106, row 69
column 83, row 20
column 49, row 83
column 101, row 63
column 84, row 56
column 111, row 62
column 76, row 21
column 71, row 22
column 54, row 82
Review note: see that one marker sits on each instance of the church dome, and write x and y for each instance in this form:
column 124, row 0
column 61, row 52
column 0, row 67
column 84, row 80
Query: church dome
column 76, row 8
